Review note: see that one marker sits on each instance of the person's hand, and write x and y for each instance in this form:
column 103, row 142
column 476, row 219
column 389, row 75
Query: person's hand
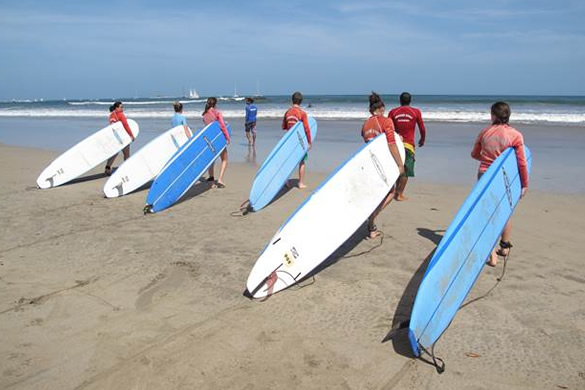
column 421, row 143
column 524, row 189
column 309, row 147
column 401, row 169
column 133, row 138
column 228, row 141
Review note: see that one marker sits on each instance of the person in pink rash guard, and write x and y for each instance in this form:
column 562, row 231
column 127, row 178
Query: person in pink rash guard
column 117, row 115
column 490, row 143
column 210, row 115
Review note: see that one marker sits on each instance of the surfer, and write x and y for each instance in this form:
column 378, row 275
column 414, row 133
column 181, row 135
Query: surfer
column 210, row 115
column 180, row 119
column 250, row 123
column 405, row 118
column 117, row 115
column 291, row 117
column 375, row 125
column 490, row 143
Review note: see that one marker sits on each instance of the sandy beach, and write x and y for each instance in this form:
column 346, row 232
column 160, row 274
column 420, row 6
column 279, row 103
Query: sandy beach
column 94, row 295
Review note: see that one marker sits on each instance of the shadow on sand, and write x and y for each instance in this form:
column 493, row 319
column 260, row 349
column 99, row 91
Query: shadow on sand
column 399, row 331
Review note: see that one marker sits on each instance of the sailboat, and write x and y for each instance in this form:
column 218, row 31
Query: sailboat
column 193, row 94
column 236, row 91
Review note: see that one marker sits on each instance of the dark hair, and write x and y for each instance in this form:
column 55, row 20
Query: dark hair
column 249, row 100
column 211, row 102
column 297, row 98
column 178, row 106
column 112, row 108
column 117, row 104
column 405, row 99
column 501, row 112
column 376, row 102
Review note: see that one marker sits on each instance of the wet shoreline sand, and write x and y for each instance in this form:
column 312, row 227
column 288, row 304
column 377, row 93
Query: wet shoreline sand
column 95, row 295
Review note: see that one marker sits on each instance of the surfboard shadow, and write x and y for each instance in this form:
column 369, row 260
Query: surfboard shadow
column 84, row 179
column 197, row 189
column 399, row 330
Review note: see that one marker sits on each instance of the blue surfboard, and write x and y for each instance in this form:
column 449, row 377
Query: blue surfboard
column 186, row 167
column 464, row 249
column 280, row 163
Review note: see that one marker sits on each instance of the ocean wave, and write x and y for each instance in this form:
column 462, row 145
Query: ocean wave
column 142, row 103
column 571, row 118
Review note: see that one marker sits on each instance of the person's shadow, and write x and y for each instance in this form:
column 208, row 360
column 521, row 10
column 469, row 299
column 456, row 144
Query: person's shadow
column 400, row 322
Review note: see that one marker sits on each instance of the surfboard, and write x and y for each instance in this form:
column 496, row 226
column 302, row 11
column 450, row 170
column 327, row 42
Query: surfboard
column 464, row 249
column 280, row 163
column 87, row 154
column 326, row 219
column 186, row 167
column 144, row 165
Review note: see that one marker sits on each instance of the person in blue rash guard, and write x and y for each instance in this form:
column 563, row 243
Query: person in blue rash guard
column 180, row 119
column 250, row 126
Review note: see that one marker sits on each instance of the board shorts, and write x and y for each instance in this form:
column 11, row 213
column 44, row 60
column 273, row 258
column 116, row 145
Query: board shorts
column 409, row 163
column 250, row 126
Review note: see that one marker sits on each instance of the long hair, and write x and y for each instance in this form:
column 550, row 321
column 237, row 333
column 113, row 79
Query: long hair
column 211, row 102
column 375, row 102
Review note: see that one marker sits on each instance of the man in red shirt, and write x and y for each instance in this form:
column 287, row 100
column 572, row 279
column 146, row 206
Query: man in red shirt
column 405, row 118
column 291, row 117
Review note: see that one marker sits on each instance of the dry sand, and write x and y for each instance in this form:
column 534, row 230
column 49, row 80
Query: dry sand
column 94, row 295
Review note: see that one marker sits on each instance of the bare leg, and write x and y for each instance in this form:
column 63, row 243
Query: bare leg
column 302, row 168
column 224, row 163
column 248, row 137
column 109, row 163
column 126, row 152
column 211, row 170
column 493, row 260
column 254, row 138
column 402, row 180
column 371, row 225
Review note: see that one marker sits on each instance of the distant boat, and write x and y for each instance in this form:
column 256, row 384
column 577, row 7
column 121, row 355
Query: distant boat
column 236, row 91
column 258, row 95
column 193, row 94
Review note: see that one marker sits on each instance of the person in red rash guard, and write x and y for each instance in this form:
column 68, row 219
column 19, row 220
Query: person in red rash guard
column 375, row 125
column 291, row 117
column 210, row 115
column 117, row 115
column 405, row 118
column 490, row 143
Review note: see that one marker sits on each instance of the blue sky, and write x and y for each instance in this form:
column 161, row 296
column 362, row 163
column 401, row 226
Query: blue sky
column 89, row 49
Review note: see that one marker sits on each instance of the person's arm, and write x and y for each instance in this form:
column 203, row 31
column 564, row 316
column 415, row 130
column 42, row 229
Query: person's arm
column 124, row 121
column 389, row 131
column 305, row 119
column 247, row 114
column 284, row 124
column 476, row 151
column 421, row 128
column 223, row 126
column 522, row 163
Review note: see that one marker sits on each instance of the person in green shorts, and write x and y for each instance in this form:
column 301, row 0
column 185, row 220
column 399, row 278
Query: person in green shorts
column 405, row 119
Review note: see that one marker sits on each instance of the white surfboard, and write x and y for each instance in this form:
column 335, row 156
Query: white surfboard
column 87, row 154
column 326, row 219
column 144, row 165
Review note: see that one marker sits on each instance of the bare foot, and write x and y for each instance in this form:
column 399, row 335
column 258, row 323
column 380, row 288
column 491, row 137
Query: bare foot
column 493, row 261
column 401, row 198
column 302, row 185
column 374, row 234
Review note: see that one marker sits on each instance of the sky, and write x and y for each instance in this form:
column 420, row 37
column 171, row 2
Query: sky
column 102, row 49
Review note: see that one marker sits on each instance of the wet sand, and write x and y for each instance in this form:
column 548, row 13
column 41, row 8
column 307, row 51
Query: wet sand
column 94, row 295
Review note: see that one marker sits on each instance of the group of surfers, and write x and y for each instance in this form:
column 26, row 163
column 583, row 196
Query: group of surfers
column 402, row 120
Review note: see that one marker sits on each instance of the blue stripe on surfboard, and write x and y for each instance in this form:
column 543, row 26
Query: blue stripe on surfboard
column 186, row 167
column 489, row 205
column 279, row 165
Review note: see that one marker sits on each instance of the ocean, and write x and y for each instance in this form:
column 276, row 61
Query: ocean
column 560, row 110
column 552, row 127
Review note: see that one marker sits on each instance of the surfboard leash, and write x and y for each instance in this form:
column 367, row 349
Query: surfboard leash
column 508, row 246
column 437, row 361
column 369, row 250
column 243, row 210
